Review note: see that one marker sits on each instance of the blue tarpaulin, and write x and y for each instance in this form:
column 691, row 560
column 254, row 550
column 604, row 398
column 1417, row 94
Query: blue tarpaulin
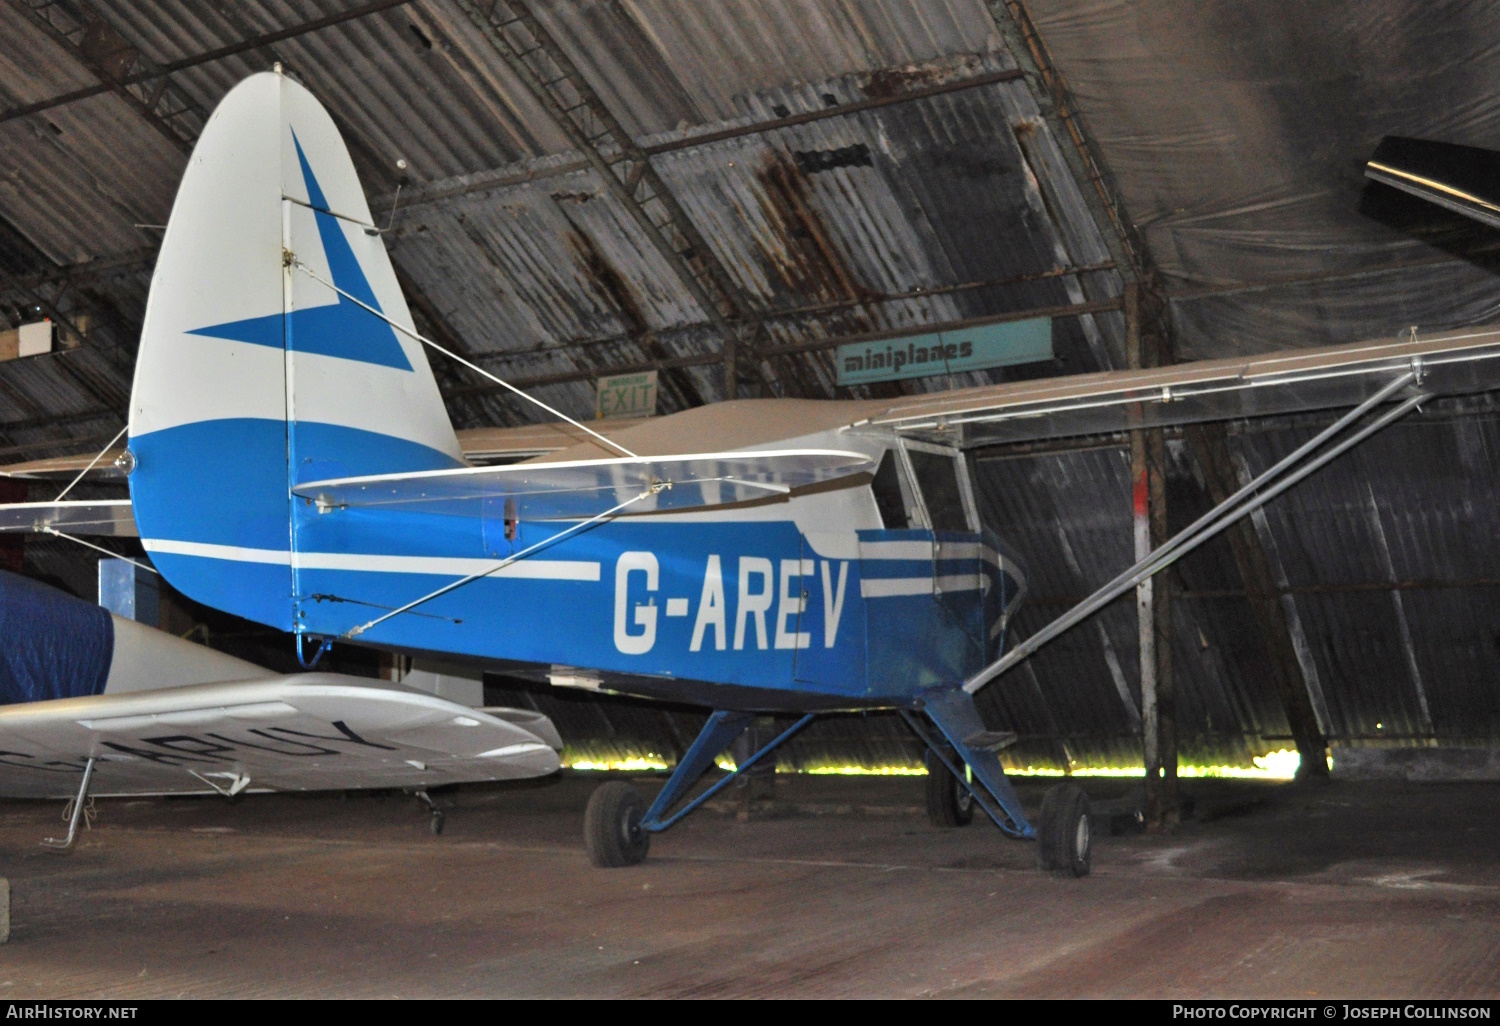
column 52, row 645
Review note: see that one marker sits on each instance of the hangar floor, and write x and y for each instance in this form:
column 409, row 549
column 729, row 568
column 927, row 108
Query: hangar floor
column 1338, row 889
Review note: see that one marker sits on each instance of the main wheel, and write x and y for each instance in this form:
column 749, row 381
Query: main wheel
column 612, row 826
column 949, row 803
column 1064, row 840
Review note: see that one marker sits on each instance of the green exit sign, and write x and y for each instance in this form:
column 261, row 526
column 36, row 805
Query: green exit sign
column 627, row 395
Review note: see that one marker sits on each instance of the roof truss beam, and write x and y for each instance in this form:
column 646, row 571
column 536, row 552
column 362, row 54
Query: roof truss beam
column 95, row 45
column 143, row 75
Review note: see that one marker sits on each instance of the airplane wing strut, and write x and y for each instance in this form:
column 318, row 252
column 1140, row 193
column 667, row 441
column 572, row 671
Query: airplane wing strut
column 112, row 518
column 1295, row 466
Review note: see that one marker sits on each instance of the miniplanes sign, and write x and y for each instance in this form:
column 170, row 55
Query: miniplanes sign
column 948, row 352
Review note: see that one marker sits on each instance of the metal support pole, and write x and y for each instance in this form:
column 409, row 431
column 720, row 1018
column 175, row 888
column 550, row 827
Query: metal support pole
column 1140, row 507
column 1161, row 791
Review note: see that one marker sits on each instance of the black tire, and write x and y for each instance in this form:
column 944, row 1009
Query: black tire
column 949, row 803
column 612, row 826
column 1065, row 836
column 436, row 822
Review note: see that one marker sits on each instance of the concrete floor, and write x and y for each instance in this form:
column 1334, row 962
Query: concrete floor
column 1359, row 890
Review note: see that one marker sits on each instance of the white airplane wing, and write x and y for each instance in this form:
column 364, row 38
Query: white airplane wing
column 108, row 517
column 1296, row 380
column 585, row 488
column 314, row 731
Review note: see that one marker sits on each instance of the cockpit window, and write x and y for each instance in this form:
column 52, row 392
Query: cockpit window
column 937, row 477
column 888, row 500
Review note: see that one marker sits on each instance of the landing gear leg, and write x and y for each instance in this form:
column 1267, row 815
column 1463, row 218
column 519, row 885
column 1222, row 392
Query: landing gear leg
column 1065, row 837
column 78, row 809
column 961, row 732
column 435, row 823
column 617, row 833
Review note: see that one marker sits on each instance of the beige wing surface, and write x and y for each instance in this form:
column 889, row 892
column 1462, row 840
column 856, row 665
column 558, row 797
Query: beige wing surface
column 1448, row 363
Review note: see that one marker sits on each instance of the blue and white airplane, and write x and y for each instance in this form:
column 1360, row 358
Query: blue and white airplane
column 290, row 461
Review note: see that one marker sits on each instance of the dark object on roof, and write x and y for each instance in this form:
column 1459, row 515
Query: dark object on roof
column 1464, row 179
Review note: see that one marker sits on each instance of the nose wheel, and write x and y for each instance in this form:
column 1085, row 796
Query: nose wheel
column 612, row 830
column 1064, row 838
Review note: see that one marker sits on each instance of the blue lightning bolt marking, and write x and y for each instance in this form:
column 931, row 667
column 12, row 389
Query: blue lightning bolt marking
column 340, row 329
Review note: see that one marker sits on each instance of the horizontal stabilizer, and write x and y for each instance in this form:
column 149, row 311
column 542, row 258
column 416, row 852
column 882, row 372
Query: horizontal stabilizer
column 586, row 488
column 107, row 517
column 1464, row 179
column 480, row 445
column 105, row 466
column 315, row 731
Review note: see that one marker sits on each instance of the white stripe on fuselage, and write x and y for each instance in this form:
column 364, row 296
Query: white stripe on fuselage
column 892, row 587
column 915, row 550
column 896, row 550
column 440, row 566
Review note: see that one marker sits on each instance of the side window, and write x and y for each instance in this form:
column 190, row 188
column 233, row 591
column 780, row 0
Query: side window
column 937, row 477
column 887, row 489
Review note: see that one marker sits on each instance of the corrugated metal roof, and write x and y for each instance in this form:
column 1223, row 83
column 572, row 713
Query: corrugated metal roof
column 557, row 266
column 929, row 194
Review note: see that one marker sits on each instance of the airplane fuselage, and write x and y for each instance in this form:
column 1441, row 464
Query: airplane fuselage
column 808, row 595
column 812, row 599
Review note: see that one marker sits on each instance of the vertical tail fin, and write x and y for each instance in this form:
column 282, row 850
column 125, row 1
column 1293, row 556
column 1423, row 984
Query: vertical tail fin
column 252, row 376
